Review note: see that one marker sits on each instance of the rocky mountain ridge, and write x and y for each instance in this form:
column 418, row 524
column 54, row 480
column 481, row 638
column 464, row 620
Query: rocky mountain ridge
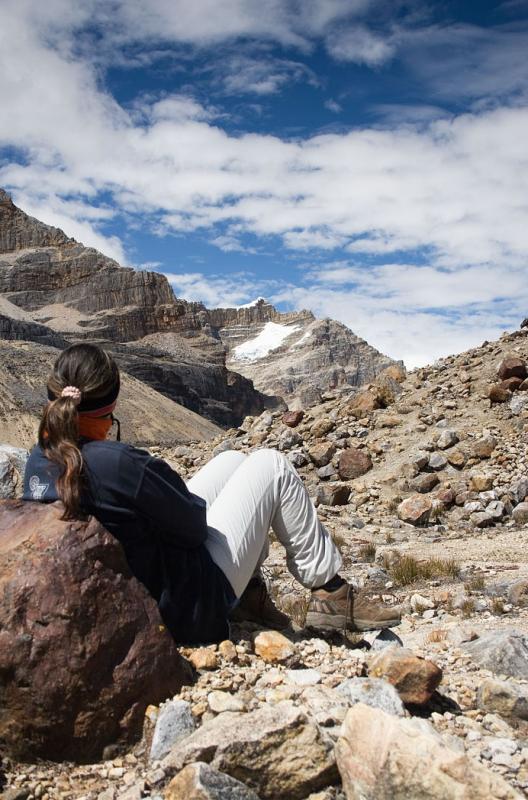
column 312, row 356
column 61, row 291
column 78, row 293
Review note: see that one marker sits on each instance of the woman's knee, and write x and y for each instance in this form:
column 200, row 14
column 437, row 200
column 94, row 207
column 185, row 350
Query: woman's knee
column 234, row 457
column 267, row 457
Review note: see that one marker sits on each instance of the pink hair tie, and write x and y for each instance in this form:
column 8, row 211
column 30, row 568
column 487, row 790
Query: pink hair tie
column 73, row 392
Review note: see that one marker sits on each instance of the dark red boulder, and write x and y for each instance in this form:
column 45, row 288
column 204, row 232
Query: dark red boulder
column 353, row 463
column 512, row 367
column 292, row 418
column 83, row 650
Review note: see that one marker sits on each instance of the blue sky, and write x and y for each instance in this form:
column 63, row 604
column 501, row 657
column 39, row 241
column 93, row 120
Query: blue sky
column 365, row 159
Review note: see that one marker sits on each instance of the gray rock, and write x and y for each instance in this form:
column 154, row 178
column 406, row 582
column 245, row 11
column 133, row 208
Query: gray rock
column 373, row 692
column 298, row 458
column 327, row 471
column 383, row 757
column 496, row 509
column 277, row 748
column 484, row 447
column 12, row 466
column 499, row 746
column 263, row 423
column 518, row 403
column 520, row 490
column 488, row 496
column 16, row 793
column 518, row 592
column 335, row 494
column 303, row 677
column 227, row 444
column 289, row 439
column 481, row 519
column 200, row 781
column 324, row 705
column 503, row 652
column 420, row 460
column 385, row 638
column 17, row 455
column 377, row 575
column 134, row 792
column 220, row 701
column 473, row 506
column 356, row 522
column 447, row 439
column 520, row 513
column 175, row 721
column 424, row 482
column 503, row 697
column 437, row 461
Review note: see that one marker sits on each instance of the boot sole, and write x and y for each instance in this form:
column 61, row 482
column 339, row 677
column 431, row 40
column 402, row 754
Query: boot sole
column 339, row 621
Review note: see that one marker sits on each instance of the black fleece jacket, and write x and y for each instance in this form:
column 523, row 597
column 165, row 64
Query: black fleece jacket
column 161, row 526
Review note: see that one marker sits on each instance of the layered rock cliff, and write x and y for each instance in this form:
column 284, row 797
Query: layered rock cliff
column 62, row 289
column 76, row 289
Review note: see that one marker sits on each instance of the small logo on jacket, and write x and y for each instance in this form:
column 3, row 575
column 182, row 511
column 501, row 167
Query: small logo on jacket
column 37, row 489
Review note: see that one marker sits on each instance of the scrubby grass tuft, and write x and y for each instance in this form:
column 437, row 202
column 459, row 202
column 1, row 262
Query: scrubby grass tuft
column 475, row 584
column 436, row 635
column 407, row 570
column 367, row 552
column 497, row 606
column 467, row 607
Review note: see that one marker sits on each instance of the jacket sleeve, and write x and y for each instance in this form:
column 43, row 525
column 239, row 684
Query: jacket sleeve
column 163, row 497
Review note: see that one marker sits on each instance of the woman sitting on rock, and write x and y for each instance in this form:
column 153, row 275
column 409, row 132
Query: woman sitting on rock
column 196, row 547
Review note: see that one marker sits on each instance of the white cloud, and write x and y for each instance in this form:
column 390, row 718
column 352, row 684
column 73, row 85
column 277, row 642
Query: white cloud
column 418, row 288
column 217, row 291
column 417, row 313
column 462, row 61
column 76, row 220
column 230, row 244
column 261, row 74
column 333, row 105
column 360, row 45
column 206, row 22
column 177, row 108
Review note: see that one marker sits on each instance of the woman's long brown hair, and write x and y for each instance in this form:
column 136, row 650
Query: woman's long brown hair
column 94, row 372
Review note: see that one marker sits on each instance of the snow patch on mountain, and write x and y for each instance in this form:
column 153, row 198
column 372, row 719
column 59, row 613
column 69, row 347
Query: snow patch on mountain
column 253, row 303
column 306, row 335
column 271, row 336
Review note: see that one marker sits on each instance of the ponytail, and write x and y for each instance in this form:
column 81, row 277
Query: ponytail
column 84, row 379
column 58, row 436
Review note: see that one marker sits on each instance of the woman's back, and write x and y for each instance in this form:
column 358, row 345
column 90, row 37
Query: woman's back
column 136, row 497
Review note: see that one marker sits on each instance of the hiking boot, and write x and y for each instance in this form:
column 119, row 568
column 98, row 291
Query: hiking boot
column 255, row 605
column 347, row 609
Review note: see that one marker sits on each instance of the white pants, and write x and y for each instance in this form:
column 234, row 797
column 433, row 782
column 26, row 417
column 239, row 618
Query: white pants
column 248, row 494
